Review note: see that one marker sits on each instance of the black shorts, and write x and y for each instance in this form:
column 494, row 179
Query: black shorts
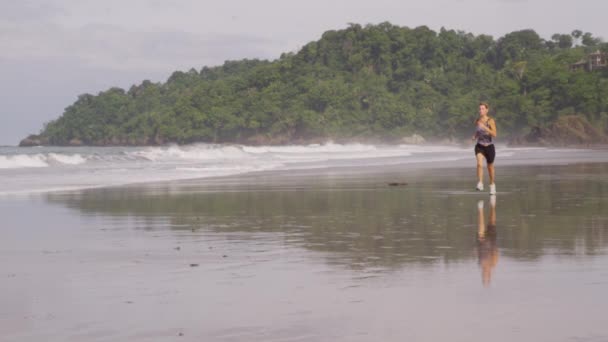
column 488, row 151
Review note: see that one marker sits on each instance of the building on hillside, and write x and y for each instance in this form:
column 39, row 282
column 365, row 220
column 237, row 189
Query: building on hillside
column 593, row 61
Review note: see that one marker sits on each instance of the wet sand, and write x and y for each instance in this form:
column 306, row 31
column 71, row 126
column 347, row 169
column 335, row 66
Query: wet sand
column 316, row 255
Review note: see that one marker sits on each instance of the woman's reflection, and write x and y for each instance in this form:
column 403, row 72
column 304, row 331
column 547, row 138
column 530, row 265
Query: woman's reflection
column 487, row 251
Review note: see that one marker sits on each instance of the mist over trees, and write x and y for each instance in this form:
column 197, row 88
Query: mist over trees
column 363, row 82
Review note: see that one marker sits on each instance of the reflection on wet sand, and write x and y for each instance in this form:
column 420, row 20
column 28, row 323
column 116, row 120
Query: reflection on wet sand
column 487, row 250
column 363, row 223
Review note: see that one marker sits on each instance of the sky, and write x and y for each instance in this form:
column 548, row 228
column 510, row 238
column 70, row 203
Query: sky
column 54, row 50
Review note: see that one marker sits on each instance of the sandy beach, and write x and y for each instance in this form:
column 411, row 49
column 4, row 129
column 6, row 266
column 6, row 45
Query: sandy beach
column 327, row 254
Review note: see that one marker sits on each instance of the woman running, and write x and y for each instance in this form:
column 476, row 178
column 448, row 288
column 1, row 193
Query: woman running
column 485, row 131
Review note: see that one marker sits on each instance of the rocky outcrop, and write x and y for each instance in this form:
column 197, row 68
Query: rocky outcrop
column 568, row 130
column 415, row 139
column 33, row 140
column 75, row 142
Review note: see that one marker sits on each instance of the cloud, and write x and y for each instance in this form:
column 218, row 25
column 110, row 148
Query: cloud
column 27, row 11
column 113, row 47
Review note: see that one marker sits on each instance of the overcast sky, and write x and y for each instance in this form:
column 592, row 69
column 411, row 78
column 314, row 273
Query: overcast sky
column 52, row 51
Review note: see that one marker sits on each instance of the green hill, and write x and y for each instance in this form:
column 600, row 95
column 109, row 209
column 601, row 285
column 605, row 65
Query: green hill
column 379, row 82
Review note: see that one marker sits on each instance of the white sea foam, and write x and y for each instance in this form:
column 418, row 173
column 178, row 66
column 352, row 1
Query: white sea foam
column 74, row 159
column 22, row 161
column 190, row 152
column 39, row 160
column 313, row 148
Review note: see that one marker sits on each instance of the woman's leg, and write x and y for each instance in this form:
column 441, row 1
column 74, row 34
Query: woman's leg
column 480, row 159
column 491, row 154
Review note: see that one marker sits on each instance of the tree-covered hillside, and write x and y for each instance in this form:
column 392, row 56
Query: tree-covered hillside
column 373, row 82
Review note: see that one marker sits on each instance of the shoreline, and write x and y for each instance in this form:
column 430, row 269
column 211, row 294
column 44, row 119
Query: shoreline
column 369, row 165
column 397, row 172
column 376, row 142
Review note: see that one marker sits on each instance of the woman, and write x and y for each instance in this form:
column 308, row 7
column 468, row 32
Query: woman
column 485, row 131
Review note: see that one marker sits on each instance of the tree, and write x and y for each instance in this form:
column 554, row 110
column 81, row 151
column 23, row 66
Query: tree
column 590, row 41
column 517, row 46
column 563, row 41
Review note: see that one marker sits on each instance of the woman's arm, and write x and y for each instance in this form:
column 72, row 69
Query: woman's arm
column 492, row 128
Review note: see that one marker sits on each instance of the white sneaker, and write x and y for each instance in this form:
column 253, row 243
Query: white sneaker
column 492, row 189
column 480, row 204
column 479, row 186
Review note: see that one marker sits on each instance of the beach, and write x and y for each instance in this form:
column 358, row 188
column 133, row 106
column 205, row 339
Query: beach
column 324, row 252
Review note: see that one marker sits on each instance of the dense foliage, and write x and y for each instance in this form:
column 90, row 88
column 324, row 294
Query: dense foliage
column 378, row 81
